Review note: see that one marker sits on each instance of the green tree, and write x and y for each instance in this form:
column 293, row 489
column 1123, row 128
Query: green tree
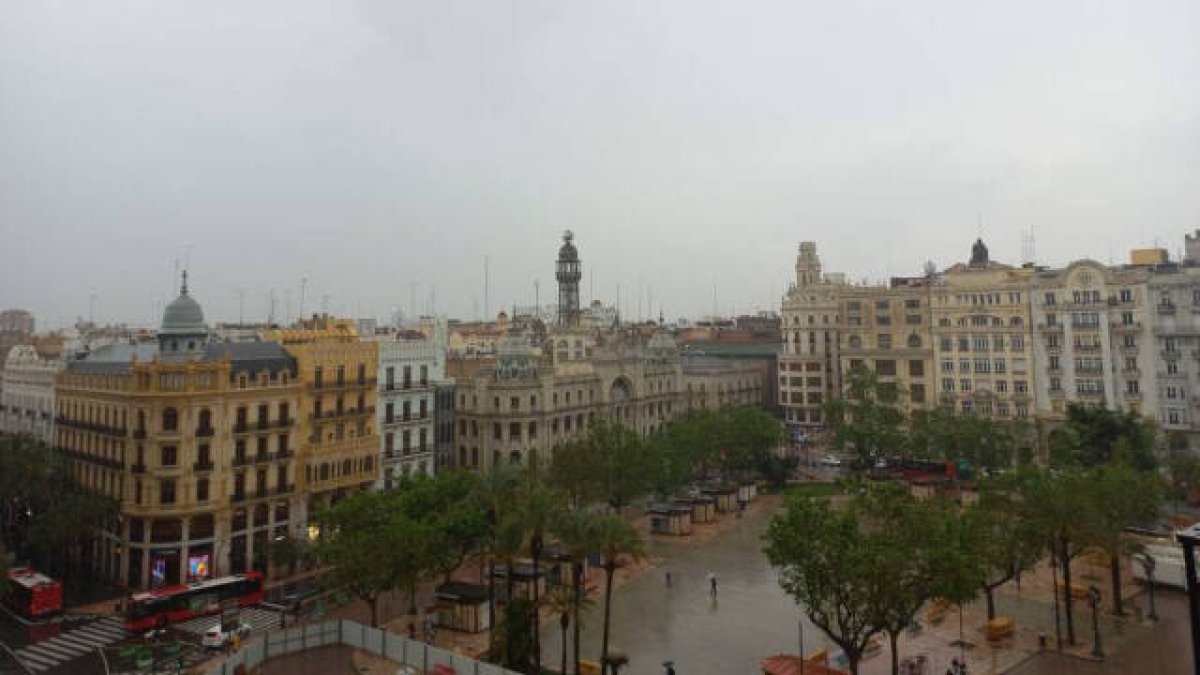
column 831, row 570
column 371, row 546
column 539, row 504
column 1118, row 497
column 940, row 435
column 1005, row 540
column 495, row 496
column 612, row 463
column 1056, row 504
column 576, row 533
column 1094, row 436
column 617, row 542
column 866, row 420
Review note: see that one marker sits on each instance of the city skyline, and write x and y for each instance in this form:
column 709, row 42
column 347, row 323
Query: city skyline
column 369, row 146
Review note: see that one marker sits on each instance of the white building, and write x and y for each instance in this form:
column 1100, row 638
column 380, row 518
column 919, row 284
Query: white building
column 27, row 393
column 409, row 371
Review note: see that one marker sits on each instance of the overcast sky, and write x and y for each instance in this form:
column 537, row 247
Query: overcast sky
column 382, row 149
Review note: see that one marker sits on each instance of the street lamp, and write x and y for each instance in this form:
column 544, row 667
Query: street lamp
column 801, row 624
column 1188, row 538
column 1148, row 565
column 1093, row 597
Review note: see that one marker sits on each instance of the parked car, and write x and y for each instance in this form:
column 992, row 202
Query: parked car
column 217, row 638
column 831, row 460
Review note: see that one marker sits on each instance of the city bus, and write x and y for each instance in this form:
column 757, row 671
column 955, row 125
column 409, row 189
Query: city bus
column 33, row 595
column 157, row 608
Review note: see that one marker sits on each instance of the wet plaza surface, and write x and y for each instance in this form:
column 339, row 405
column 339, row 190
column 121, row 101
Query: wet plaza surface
column 752, row 618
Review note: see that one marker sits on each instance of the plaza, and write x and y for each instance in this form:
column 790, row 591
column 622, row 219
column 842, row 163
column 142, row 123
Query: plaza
column 752, row 618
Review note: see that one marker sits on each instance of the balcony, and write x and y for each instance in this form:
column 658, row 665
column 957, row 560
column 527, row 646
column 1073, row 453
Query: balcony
column 205, row 432
column 1088, row 349
column 203, row 465
column 284, row 423
column 285, row 453
column 1089, row 371
column 1050, row 327
column 139, row 434
column 1166, row 308
column 284, row 489
column 344, row 413
column 241, row 460
column 138, row 468
column 241, row 427
column 238, row 497
column 344, row 384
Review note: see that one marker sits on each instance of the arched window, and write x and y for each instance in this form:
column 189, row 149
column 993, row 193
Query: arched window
column 170, row 419
column 205, row 419
column 855, row 342
column 914, row 341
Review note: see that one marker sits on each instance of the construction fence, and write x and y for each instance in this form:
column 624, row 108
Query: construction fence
column 416, row 654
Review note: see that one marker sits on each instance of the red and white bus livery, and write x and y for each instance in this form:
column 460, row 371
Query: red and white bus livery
column 159, row 607
column 33, row 595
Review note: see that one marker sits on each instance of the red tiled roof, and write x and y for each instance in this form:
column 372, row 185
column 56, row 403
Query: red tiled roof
column 789, row 664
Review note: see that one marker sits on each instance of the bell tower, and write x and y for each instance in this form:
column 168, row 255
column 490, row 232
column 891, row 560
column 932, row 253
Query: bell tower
column 568, row 274
column 808, row 265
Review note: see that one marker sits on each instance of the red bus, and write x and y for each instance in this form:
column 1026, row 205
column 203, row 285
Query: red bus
column 159, row 607
column 33, row 595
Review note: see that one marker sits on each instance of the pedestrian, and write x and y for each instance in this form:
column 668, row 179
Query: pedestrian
column 669, row 667
column 668, row 578
column 712, row 584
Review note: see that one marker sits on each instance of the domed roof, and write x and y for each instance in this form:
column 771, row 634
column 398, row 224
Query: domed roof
column 567, row 251
column 183, row 316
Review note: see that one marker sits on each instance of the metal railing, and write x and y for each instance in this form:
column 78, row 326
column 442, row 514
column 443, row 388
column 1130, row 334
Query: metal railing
column 257, row 650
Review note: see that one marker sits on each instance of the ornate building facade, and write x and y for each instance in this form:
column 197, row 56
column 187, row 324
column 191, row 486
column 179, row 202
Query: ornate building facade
column 409, row 372
column 27, row 393
column 194, row 439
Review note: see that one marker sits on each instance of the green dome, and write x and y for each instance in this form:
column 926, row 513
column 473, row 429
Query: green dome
column 183, row 316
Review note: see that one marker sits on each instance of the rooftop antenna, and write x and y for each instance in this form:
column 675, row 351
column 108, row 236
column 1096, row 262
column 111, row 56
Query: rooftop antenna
column 1027, row 246
column 241, row 292
column 271, row 307
column 412, row 298
column 537, row 303
column 487, row 261
column 325, row 303
column 303, row 288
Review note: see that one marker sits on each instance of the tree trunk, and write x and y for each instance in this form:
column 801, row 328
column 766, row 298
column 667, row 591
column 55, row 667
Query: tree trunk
column 564, row 622
column 412, row 598
column 852, row 660
column 577, row 581
column 609, row 568
column 991, row 601
column 373, row 603
column 491, row 586
column 892, row 638
column 1066, row 565
column 1118, row 607
column 536, row 551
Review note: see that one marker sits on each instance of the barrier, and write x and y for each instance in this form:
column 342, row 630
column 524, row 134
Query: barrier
column 374, row 641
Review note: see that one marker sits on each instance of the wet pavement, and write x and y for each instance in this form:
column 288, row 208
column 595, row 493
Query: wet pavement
column 752, row 618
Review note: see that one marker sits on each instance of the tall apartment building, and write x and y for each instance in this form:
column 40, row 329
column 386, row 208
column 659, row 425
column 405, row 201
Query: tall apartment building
column 27, row 393
column 194, row 439
column 339, row 441
column 885, row 329
column 809, row 363
column 983, row 343
column 1094, row 341
column 409, row 372
column 1170, row 348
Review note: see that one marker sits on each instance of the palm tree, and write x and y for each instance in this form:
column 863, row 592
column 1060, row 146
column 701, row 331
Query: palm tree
column 494, row 495
column 575, row 531
column 538, row 506
column 561, row 601
column 616, row 539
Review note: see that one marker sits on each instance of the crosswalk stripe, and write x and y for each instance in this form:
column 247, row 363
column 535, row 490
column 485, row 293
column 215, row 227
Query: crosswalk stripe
column 57, row 651
column 74, row 639
column 44, row 661
column 94, row 633
column 36, row 667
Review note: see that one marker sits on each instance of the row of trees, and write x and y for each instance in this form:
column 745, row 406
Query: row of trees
column 46, row 517
column 375, row 542
column 614, row 464
column 868, row 568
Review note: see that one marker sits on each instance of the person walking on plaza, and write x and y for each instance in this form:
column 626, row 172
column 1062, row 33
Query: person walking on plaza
column 712, row 584
column 667, row 576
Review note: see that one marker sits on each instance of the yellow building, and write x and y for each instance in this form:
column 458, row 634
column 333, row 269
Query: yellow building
column 195, row 440
column 983, row 337
column 339, row 441
column 885, row 329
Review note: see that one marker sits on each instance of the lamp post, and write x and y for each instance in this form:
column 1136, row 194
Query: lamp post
column 1093, row 596
column 1148, row 565
column 1188, row 538
column 801, row 625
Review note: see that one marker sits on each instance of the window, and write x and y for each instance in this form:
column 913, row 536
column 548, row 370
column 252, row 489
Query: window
column 884, row 340
column 982, row 366
column 964, row 344
column 389, row 443
column 424, row 376
column 914, row 342
column 497, row 433
column 947, row 384
column 1125, row 295
column 166, row 491
column 947, row 344
column 947, row 366
column 318, row 377
column 912, row 304
column 340, row 375
column 1018, row 343
column 169, row 455
column 170, row 419
column 964, row 385
column 362, row 373
column 980, row 343
column 1001, row 386
column 916, row 393
column 389, row 378
column 885, row 368
column 916, row 368
column 998, row 343
column 1132, row 387
column 1020, row 387
column 408, row 378
column 202, row 490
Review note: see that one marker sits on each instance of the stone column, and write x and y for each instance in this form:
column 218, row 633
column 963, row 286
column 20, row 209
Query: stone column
column 183, row 550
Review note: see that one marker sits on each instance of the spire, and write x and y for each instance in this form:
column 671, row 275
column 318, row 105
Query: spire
column 183, row 289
